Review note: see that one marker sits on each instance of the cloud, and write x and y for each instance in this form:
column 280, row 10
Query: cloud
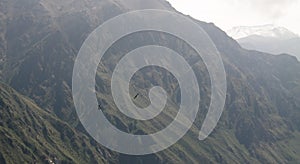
column 273, row 9
column 229, row 13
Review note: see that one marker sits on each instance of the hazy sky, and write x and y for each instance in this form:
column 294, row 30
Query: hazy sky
column 229, row 13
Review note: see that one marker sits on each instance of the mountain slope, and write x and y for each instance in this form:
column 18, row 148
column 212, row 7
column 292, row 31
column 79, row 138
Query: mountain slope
column 271, row 45
column 29, row 134
column 260, row 124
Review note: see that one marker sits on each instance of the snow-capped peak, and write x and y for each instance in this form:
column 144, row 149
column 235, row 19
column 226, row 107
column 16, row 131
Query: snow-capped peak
column 265, row 31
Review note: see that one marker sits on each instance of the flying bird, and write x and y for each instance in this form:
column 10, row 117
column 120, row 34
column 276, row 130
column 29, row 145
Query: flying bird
column 136, row 96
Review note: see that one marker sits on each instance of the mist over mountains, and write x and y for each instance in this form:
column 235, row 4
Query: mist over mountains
column 39, row 41
column 267, row 38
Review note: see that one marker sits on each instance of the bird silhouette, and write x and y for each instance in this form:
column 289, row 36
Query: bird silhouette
column 136, row 96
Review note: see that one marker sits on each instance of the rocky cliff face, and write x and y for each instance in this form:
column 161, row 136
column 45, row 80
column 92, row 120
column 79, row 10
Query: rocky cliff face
column 39, row 43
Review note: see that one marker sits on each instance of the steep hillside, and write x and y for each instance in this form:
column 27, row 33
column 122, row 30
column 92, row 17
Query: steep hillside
column 29, row 134
column 41, row 38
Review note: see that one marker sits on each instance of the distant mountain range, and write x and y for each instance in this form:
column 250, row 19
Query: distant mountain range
column 268, row 38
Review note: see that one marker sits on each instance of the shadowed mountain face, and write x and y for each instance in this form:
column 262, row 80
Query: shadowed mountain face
column 39, row 43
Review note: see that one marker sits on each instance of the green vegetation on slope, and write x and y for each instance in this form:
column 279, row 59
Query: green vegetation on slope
column 39, row 40
column 29, row 134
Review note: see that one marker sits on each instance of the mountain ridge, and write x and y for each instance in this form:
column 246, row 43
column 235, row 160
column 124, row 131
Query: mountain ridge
column 270, row 30
column 269, row 39
column 261, row 117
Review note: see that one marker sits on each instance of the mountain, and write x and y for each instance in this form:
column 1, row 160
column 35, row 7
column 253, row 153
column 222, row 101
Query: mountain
column 270, row 31
column 269, row 38
column 30, row 134
column 39, row 43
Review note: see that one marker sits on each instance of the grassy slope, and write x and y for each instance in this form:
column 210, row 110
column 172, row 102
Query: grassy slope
column 253, row 128
column 28, row 133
